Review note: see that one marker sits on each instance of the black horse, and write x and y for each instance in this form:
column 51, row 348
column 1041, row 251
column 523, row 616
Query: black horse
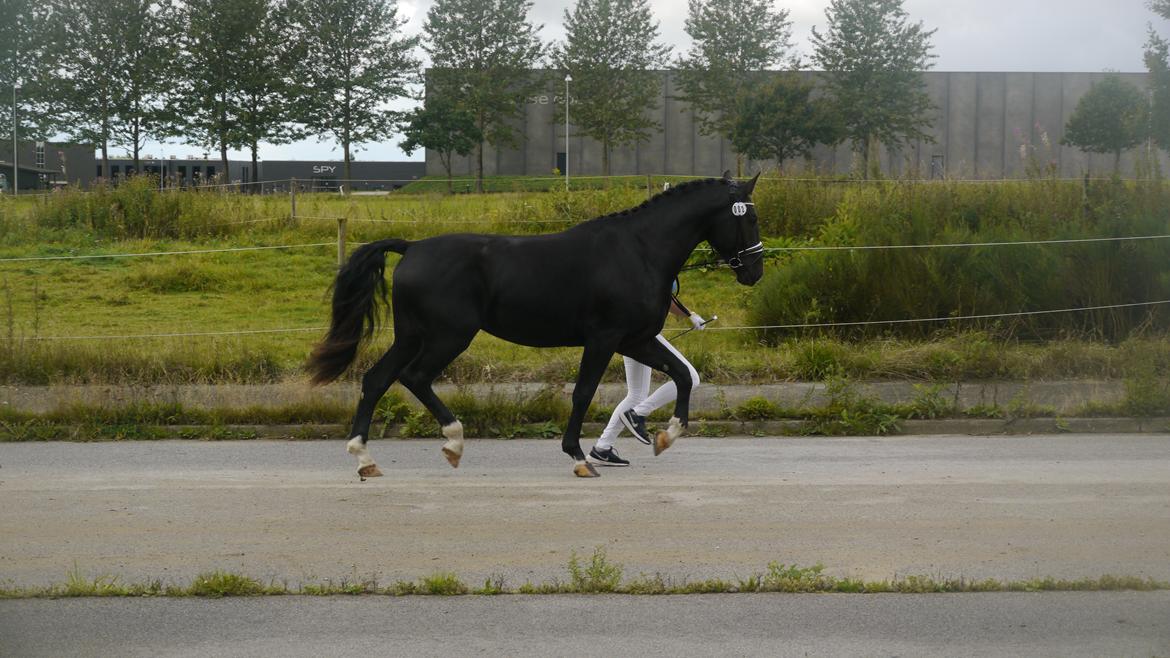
column 603, row 284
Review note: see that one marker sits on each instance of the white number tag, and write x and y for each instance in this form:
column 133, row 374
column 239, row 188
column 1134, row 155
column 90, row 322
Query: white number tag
column 739, row 208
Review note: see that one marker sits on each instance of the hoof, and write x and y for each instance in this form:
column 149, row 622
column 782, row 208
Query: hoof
column 585, row 470
column 452, row 457
column 369, row 471
column 662, row 441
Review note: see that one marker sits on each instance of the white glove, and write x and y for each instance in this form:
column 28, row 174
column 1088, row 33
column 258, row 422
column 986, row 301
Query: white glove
column 697, row 321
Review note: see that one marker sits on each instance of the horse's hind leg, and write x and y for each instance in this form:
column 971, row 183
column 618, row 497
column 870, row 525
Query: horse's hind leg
column 375, row 383
column 660, row 355
column 436, row 355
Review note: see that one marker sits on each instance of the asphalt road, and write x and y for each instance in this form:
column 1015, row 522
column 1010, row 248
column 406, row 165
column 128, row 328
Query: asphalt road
column 978, row 507
column 1058, row 624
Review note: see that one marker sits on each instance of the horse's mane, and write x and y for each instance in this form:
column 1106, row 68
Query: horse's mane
column 671, row 192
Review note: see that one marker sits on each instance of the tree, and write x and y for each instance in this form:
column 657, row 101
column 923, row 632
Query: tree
column 145, row 71
column 84, row 89
column 24, row 32
column 483, row 53
column 266, row 89
column 872, row 57
column 610, row 51
column 205, row 103
column 732, row 42
column 356, row 61
column 1110, row 118
column 1157, row 58
column 781, row 119
column 110, row 70
column 444, row 127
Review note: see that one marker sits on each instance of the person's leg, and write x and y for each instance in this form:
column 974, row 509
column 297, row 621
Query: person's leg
column 637, row 387
column 668, row 391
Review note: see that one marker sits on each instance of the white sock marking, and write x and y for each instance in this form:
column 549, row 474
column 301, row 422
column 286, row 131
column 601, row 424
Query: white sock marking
column 357, row 447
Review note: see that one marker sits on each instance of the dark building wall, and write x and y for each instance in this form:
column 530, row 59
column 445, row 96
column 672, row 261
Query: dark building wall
column 367, row 176
column 981, row 124
column 46, row 164
column 321, row 175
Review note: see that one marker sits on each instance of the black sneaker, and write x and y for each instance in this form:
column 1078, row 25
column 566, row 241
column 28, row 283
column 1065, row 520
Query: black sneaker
column 637, row 426
column 606, row 457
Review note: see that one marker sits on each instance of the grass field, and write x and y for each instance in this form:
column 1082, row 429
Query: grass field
column 84, row 320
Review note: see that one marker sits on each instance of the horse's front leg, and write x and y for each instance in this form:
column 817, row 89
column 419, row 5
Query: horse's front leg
column 594, row 360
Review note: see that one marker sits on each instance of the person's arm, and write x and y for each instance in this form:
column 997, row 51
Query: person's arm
column 677, row 308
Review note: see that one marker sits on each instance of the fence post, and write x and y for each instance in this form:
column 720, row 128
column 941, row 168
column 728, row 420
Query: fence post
column 292, row 195
column 341, row 241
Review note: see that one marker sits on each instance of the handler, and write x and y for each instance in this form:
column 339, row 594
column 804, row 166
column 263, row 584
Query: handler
column 638, row 403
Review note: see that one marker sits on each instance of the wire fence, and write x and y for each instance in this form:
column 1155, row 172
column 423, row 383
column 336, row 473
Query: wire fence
column 795, row 326
column 341, row 245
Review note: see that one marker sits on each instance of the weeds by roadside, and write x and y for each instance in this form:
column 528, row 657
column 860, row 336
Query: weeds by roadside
column 598, row 576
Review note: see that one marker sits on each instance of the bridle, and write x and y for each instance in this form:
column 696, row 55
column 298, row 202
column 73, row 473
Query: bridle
column 738, row 209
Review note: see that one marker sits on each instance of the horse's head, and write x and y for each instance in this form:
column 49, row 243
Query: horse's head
column 735, row 233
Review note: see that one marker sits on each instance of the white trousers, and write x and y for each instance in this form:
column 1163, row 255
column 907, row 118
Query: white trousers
column 638, row 396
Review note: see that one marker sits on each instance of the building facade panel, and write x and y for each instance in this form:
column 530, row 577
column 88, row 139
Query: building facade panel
column 979, row 123
column 1019, row 117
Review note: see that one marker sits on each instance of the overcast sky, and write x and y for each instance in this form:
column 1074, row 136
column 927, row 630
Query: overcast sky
column 973, row 35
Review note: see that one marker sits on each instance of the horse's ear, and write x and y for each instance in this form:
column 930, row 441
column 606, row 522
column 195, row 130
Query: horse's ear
column 727, row 175
column 752, row 183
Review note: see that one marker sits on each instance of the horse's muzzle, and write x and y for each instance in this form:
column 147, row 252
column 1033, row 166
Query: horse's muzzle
column 748, row 276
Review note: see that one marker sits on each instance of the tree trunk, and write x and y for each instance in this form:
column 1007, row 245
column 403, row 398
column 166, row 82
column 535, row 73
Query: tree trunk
column 479, row 168
column 134, row 134
column 347, row 184
column 1117, row 163
column 479, row 157
column 223, row 144
column 605, row 161
column 739, row 165
column 254, row 188
column 106, row 160
column 345, row 138
column 447, row 167
column 223, row 159
column 865, row 158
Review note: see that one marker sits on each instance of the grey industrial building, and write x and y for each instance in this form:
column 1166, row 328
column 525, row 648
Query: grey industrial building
column 45, row 165
column 981, row 124
column 275, row 175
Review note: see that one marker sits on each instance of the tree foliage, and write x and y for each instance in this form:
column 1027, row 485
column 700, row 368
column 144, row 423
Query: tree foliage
column 782, row 119
column 1110, row 118
column 356, row 60
column 873, row 57
column 266, row 88
column 611, row 50
column 732, row 41
column 483, row 53
column 1157, row 58
column 111, row 66
column 24, row 35
column 214, row 39
column 444, row 127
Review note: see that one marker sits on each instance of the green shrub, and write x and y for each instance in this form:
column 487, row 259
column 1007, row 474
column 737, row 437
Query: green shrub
column 872, row 285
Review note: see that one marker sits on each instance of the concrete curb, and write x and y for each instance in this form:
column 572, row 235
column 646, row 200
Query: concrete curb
column 708, row 429
column 1056, row 397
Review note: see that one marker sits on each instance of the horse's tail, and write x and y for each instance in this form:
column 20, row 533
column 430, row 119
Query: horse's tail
column 359, row 295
